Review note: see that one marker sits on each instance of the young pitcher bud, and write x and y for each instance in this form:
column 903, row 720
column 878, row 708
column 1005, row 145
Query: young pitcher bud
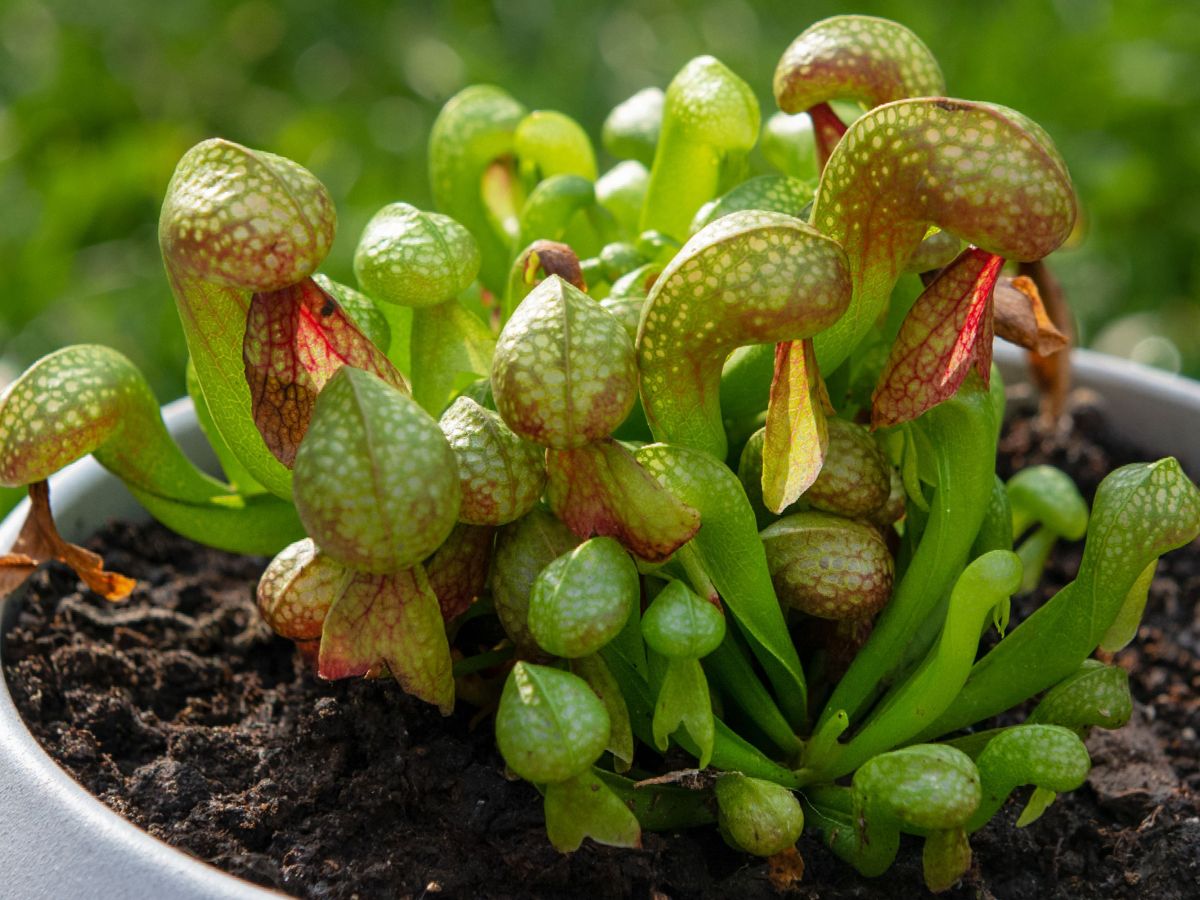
column 582, row 600
column 550, row 725
column 564, row 373
column 297, row 589
column 415, row 258
column 523, row 549
column 760, row 817
column 854, row 480
column 827, row 566
column 681, row 625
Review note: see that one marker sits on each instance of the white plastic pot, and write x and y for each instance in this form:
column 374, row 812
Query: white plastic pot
column 60, row 841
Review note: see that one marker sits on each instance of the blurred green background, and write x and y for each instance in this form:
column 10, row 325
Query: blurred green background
column 98, row 101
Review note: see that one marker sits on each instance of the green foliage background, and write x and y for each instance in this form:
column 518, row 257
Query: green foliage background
column 99, row 100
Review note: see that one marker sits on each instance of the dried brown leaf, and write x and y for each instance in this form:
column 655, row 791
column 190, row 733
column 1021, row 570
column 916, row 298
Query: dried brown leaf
column 545, row 258
column 1021, row 317
column 40, row 541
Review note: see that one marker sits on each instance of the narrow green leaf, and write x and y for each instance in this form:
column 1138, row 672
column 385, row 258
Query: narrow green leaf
column 708, row 114
column 732, row 554
column 583, row 806
column 1140, row 512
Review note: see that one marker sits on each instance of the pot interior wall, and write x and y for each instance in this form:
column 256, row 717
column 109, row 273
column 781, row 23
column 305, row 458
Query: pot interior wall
column 59, row 840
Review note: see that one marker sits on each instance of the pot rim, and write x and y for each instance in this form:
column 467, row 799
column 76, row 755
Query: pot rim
column 62, row 840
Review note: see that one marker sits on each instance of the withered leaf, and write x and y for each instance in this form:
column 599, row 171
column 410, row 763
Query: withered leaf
column 545, row 258
column 1051, row 373
column 786, row 869
column 40, row 541
column 1022, row 319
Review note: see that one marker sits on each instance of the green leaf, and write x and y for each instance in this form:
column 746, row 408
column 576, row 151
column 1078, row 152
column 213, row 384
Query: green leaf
column 660, row 807
column 709, row 113
column 628, row 295
column 1047, row 756
column 584, row 806
column 622, row 191
column 550, row 210
column 1095, row 694
column 472, row 133
column 945, row 858
column 631, row 129
column 732, row 555
column 1039, row 801
column 958, row 440
column 787, row 145
column 912, row 163
column 550, row 725
column 1140, row 512
column 921, row 698
column 236, row 474
column 775, row 193
column 1044, row 495
column 551, row 143
column 924, row 789
column 683, row 700
column 238, row 221
column 860, row 58
column 91, row 399
column 996, row 531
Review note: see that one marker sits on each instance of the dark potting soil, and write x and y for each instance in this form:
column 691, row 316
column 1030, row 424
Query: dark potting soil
column 182, row 712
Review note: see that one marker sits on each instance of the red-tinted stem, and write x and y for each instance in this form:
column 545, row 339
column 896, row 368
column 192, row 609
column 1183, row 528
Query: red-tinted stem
column 827, row 131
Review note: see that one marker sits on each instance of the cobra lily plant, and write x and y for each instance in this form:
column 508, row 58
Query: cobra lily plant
column 687, row 473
